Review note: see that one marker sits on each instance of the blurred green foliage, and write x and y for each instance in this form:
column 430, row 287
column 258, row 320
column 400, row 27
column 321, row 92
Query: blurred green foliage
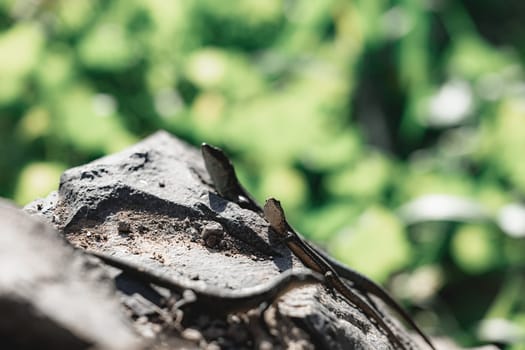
column 345, row 110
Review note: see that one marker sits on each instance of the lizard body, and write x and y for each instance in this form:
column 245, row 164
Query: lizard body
column 364, row 284
column 217, row 298
column 275, row 216
column 223, row 175
column 228, row 186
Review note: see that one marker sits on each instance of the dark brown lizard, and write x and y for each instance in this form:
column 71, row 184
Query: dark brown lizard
column 228, row 186
column 217, row 298
column 308, row 255
column 225, row 180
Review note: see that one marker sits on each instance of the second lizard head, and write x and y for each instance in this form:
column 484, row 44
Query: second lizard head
column 274, row 213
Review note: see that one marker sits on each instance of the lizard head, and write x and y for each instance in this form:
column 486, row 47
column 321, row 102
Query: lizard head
column 274, row 213
column 219, row 167
column 214, row 156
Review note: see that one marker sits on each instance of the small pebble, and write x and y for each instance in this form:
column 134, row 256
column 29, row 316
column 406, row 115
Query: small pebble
column 265, row 345
column 212, row 234
column 191, row 334
column 124, row 227
column 213, row 346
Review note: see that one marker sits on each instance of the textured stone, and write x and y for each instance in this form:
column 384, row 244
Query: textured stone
column 150, row 205
column 51, row 296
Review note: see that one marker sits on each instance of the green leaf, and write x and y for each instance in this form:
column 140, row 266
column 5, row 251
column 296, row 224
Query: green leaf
column 91, row 122
column 367, row 179
column 376, row 245
column 475, row 249
column 20, row 49
column 286, row 184
column 107, row 47
column 322, row 223
column 470, row 57
column 36, row 180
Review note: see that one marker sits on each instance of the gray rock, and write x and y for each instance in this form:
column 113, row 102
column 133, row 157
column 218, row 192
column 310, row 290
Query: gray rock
column 150, row 205
column 51, row 296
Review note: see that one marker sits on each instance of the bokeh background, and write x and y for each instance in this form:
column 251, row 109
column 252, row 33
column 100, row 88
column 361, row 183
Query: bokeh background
column 392, row 131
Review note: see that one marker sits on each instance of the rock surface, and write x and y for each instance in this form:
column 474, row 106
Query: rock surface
column 153, row 205
column 51, row 296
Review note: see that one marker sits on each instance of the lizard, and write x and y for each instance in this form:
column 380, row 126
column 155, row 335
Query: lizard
column 224, row 178
column 217, row 298
column 274, row 213
column 228, row 186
